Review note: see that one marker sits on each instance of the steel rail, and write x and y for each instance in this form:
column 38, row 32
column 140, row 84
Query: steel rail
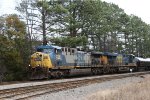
column 37, row 90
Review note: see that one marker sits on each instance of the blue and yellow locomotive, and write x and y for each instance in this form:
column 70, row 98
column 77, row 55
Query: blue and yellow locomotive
column 54, row 61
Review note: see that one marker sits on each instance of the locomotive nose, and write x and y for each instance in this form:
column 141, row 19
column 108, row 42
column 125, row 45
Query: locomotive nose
column 36, row 59
column 40, row 59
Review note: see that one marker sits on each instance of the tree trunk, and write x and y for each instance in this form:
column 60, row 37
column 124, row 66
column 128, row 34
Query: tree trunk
column 44, row 27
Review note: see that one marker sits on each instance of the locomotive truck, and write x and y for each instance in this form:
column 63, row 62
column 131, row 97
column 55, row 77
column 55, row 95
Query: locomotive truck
column 53, row 61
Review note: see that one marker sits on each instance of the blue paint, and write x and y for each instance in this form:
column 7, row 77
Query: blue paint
column 55, row 53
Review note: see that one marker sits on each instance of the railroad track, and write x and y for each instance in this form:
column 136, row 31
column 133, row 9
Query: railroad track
column 27, row 92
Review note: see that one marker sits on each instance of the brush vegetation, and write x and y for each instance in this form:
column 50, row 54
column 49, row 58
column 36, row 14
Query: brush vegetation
column 133, row 91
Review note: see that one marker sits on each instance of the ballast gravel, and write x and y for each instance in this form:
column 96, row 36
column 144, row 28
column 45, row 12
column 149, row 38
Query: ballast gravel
column 33, row 83
column 81, row 93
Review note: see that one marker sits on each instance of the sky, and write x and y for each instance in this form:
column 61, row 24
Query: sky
column 139, row 8
column 7, row 6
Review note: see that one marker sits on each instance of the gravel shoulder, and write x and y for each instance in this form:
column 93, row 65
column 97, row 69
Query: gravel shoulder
column 33, row 83
column 81, row 93
column 9, row 86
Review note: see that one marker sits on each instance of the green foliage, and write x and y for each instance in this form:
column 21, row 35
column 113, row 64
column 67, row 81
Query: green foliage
column 13, row 49
column 70, row 41
column 106, row 25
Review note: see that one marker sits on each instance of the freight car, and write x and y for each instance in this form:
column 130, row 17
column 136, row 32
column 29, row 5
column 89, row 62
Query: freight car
column 142, row 64
column 54, row 61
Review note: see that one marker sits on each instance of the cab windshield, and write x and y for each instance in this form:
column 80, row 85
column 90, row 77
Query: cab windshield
column 45, row 50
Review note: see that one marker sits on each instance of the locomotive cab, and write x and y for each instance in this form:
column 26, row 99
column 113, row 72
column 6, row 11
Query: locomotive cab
column 55, row 54
column 46, row 58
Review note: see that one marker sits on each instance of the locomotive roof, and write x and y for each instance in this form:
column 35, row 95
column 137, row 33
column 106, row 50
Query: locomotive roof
column 57, row 47
column 97, row 53
column 104, row 53
column 110, row 54
column 48, row 47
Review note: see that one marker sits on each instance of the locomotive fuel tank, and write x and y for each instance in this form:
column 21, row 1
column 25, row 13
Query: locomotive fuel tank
column 142, row 63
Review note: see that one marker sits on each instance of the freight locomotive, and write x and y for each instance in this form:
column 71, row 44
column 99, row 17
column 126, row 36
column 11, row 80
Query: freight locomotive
column 53, row 61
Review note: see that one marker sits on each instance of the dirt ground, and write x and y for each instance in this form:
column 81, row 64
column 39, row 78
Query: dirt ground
column 131, row 91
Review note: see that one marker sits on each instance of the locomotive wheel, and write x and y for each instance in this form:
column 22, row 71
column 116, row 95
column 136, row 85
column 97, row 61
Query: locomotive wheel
column 100, row 71
column 59, row 74
column 96, row 71
column 106, row 70
column 112, row 70
column 66, row 73
column 116, row 70
column 50, row 76
column 93, row 70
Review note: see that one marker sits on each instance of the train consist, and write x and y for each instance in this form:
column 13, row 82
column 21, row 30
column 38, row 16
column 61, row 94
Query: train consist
column 54, row 61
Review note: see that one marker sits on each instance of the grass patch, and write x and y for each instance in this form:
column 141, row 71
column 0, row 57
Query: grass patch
column 132, row 91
